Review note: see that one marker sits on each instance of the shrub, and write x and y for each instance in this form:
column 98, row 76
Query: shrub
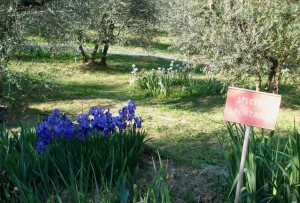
column 164, row 82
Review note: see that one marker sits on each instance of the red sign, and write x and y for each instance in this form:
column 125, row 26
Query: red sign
column 252, row 108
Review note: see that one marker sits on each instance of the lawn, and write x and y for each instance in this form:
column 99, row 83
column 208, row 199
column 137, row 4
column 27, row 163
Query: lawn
column 186, row 129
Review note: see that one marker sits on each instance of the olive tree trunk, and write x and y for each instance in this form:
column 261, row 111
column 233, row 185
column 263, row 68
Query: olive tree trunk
column 102, row 63
column 83, row 54
column 277, row 80
column 93, row 58
column 1, row 83
column 271, row 73
column 258, row 80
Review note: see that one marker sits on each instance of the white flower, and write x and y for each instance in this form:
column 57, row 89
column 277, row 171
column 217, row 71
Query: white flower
column 285, row 70
column 159, row 68
column 131, row 82
column 135, row 69
column 133, row 66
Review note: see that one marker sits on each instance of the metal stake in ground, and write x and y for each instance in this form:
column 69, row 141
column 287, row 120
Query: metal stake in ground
column 242, row 165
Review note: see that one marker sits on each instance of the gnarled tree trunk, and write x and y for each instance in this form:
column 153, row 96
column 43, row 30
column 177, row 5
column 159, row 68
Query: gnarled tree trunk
column 258, row 80
column 104, row 54
column 83, row 54
column 1, row 83
column 277, row 80
column 93, row 58
column 271, row 73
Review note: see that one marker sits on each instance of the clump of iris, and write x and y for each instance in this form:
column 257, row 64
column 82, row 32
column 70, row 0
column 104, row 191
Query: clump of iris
column 59, row 126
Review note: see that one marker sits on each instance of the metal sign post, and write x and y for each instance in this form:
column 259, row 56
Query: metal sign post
column 242, row 165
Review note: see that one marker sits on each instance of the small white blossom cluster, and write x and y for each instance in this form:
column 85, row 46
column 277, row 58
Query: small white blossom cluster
column 132, row 78
column 175, row 69
column 134, row 69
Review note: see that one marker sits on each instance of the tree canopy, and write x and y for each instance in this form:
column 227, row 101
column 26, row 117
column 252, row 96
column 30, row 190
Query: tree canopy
column 72, row 22
column 101, row 21
column 239, row 38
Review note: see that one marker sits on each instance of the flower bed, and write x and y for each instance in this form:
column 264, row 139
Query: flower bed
column 92, row 160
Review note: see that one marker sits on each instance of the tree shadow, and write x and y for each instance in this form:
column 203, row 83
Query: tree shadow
column 192, row 103
column 290, row 96
column 198, row 151
column 122, row 64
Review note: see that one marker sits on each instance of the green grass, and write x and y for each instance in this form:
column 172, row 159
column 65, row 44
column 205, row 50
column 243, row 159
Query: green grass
column 161, row 44
column 185, row 128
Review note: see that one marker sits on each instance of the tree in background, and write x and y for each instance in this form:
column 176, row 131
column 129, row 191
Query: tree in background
column 238, row 38
column 103, row 21
column 5, row 28
column 11, row 30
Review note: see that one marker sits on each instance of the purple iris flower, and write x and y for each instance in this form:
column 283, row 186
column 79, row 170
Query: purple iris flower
column 138, row 122
column 60, row 127
column 41, row 146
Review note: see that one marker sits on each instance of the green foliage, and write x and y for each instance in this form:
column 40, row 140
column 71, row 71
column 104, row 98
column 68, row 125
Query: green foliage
column 74, row 165
column 22, row 84
column 99, row 22
column 102, row 169
column 272, row 165
column 208, row 86
column 159, row 188
column 164, row 82
column 241, row 39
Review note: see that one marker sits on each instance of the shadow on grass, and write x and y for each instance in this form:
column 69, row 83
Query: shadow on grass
column 122, row 64
column 150, row 45
column 117, row 63
column 189, row 103
column 46, row 53
column 199, row 150
column 158, row 46
column 290, row 96
column 111, row 91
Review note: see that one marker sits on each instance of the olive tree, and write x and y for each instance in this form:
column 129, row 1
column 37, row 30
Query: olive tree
column 11, row 29
column 239, row 38
column 107, row 20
